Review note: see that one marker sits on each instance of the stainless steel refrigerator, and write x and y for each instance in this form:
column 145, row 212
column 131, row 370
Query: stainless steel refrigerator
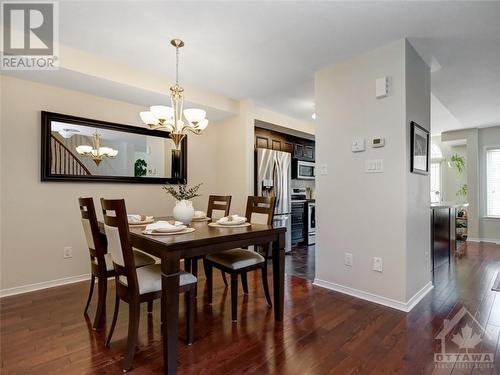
column 273, row 178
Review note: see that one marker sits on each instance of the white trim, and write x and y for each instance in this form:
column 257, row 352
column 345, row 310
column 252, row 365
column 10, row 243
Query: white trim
column 477, row 239
column 389, row 302
column 43, row 285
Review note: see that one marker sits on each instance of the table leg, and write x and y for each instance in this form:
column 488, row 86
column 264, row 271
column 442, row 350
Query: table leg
column 170, row 267
column 279, row 276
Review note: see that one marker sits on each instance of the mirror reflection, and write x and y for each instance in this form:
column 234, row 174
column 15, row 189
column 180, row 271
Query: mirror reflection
column 79, row 150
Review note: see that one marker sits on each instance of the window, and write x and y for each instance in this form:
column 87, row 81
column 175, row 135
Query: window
column 493, row 182
column 435, row 182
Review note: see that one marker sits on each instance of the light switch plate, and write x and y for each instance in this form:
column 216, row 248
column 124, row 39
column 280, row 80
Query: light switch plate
column 323, row 169
column 381, row 87
column 358, row 144
column 374, row 166
column 378, row 265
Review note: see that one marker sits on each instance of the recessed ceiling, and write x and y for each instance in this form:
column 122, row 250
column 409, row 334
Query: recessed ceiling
column 269, row 51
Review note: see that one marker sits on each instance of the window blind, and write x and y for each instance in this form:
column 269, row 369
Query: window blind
column 493, row 182
column 435, row 182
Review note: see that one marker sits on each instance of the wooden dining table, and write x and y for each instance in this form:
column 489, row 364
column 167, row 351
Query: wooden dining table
column 202, row 241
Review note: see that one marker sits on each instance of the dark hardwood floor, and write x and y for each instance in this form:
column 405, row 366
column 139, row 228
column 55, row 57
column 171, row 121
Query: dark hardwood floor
column 300, row 262
column 323, row 332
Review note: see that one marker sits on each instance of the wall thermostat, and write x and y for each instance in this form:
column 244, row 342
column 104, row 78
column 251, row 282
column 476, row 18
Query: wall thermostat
column 378, row 142
column 358, row 144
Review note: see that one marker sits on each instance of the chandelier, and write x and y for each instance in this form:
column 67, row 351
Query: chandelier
column 96, row 152
column 171, row 118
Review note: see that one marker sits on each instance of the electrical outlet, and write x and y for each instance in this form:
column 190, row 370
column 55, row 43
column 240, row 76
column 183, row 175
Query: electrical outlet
column 348, row 259
column 68, row 252
column 377, row 264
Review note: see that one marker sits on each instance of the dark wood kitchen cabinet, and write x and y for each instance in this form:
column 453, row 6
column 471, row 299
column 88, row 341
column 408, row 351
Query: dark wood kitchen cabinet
column 272, row 140
column 304, row 150
column 301, row 149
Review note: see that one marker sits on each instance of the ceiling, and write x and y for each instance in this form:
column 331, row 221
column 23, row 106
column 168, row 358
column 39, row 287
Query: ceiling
column 269, row 51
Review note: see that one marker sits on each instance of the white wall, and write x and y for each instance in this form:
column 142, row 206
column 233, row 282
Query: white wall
column 39, row 219
column 489, row 228
column 235, row 157
column 372, row 215
column 418, row 109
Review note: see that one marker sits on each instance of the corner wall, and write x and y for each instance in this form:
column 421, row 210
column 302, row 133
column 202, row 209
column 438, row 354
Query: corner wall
column 372, row 214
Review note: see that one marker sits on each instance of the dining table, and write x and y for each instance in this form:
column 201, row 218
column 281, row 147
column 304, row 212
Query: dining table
column 205, row 239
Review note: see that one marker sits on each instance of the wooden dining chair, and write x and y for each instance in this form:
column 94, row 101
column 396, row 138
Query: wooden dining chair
column 218, row 207
column 137, row 285
column 260, row 210
column 100, row 262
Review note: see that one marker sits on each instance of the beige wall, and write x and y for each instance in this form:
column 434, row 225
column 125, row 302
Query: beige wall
column 39, row 219
column 372, row 215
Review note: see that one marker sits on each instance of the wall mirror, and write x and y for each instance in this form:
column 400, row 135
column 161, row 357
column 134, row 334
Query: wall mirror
column 80, row 149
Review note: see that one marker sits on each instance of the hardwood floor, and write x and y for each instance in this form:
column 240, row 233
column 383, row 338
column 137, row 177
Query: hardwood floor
column 323, row 332
column 300, row 262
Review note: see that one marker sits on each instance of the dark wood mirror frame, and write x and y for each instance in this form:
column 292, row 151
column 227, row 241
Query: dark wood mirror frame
column 179, row 164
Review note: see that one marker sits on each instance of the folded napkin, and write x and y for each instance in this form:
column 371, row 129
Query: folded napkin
column 164, row 227
column 232, row 220
column 138, row 218
column 199, row 215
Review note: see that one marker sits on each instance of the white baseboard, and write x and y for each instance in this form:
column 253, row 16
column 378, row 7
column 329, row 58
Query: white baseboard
column 43, row 285
column 477, row 239
column 389, row 302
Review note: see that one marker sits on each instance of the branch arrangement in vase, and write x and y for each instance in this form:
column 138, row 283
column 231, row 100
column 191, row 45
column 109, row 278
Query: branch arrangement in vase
column 182, row 192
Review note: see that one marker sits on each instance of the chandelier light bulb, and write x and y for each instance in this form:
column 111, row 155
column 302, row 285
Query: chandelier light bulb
column 148, row 118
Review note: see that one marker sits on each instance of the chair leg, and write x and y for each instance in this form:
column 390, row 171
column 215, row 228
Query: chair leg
column 133, row 330
column 187, row 264
column 190, row 307
column 224, row 277
column 150, row 306
column 234, row 297
column 209, row 276
column 244, row 282
column 91, row 291
column 265, row 285
column 113, row 323
column 194, row 271
column 102, row 288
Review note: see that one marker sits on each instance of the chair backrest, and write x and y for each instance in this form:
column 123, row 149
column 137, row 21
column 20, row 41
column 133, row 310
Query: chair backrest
column 218, row 206
column 260, row 210
column 118, row 235
column 91, row 230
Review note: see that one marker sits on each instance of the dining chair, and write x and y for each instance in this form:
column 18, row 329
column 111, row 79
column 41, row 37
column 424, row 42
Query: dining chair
column 218, row 207
column 260, row 210
column 100, row 262
column 137, row 285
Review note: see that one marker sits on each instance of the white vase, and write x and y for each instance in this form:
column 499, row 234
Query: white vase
column 183, row 211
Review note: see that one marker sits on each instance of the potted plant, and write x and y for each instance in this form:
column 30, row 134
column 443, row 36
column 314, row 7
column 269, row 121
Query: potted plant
column 183, row 210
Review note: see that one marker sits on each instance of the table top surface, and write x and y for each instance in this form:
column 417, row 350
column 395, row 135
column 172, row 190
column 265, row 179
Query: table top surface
column 203, row 233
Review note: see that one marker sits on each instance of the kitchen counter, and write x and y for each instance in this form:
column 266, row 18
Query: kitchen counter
column 449, row 205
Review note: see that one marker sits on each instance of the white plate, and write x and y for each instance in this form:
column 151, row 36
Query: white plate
column 141, row 223
column 184, row 231
column 217, row 225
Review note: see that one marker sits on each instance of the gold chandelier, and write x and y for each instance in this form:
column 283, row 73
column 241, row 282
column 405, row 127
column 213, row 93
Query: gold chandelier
column 171, row 118
column 96, row 152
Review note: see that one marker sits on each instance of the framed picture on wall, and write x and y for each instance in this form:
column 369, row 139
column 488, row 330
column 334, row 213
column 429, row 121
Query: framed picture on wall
column 419, row 149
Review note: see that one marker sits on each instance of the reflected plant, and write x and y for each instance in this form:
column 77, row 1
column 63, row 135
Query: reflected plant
column 140, row 168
